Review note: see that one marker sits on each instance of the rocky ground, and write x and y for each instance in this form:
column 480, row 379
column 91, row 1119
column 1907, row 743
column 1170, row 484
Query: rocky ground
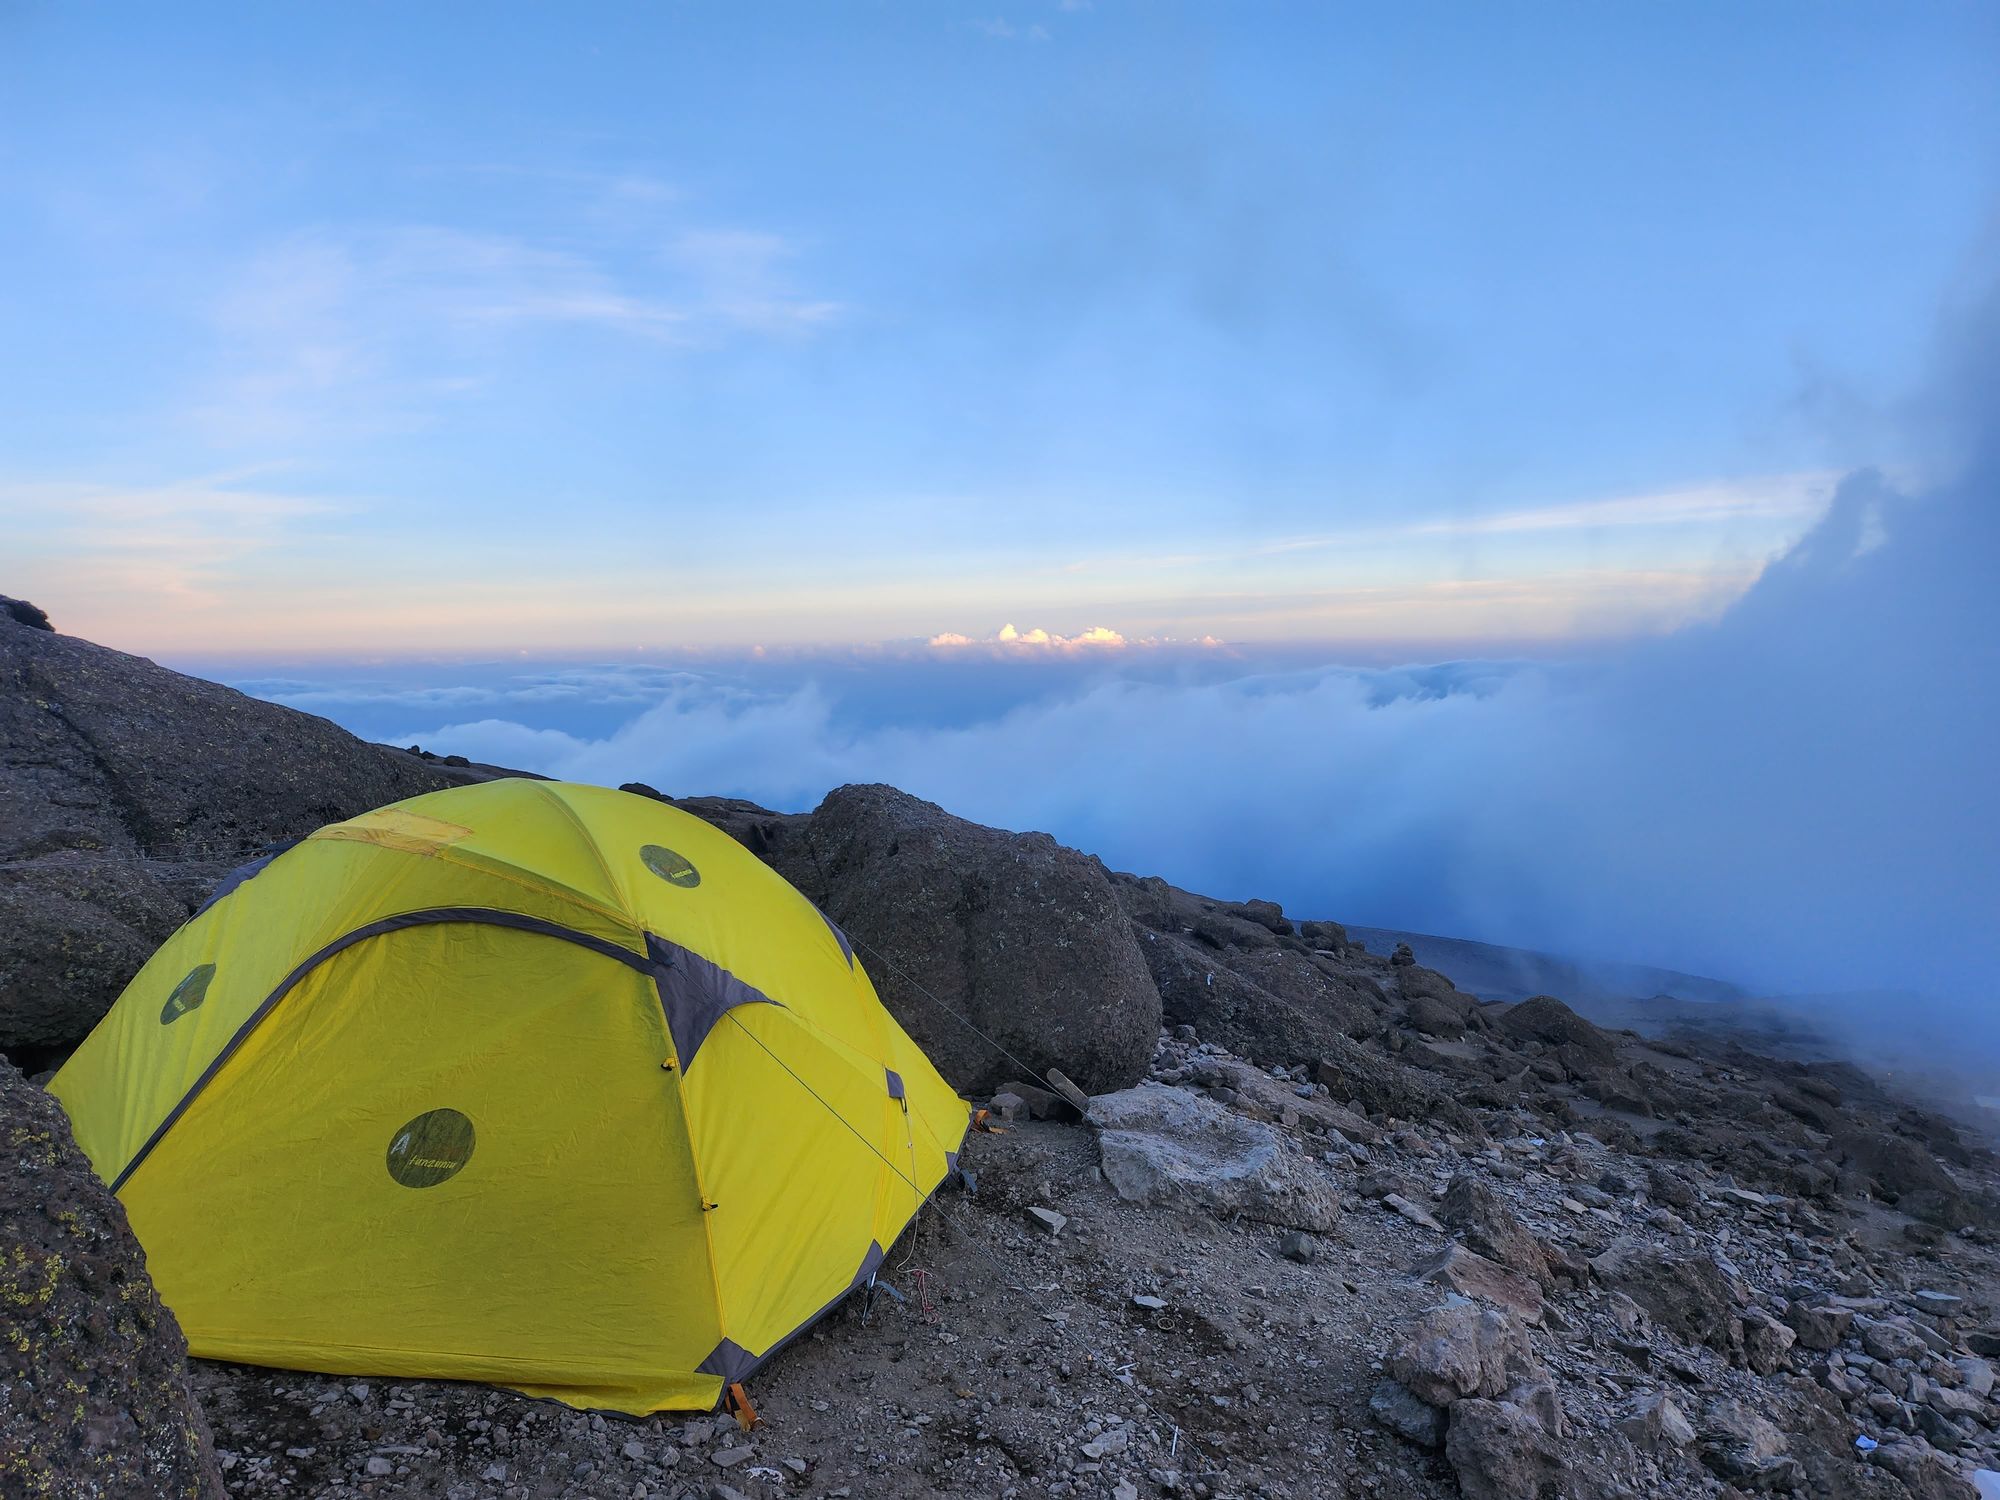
column 1331, row 1227
column 1635, row 1325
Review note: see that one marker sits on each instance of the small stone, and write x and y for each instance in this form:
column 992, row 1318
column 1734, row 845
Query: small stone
column 1656, row 1422
column 1415, row 1213
column 1048, row 1218
column 1892, row 1340
column 1297, row 1245
column 1115, row 1440
column 729, row 1458
column 634, row 1449
column 1149, row 1303
column 378, row 1466
column 495, row 1474
column 1975, row 1374
column 1398, row 1408
column 1767, row 1343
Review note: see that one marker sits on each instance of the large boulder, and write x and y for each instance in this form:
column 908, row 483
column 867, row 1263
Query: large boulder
column 94, row 1393
column 1473, row 1275
column 1167, row 1145
column 1433, row 1004
column 1499, row 1450
column 1684, row 1290
column 1461, row 1349
column 1273, row 1004
column 958, row 923
column 1738, row 1442
column 1900, row 1170
column 124, row 787
column 1545, row 1019
column 1482, row 1219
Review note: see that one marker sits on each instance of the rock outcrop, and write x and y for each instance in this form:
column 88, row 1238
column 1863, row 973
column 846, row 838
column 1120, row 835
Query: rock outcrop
column 1011, row 931
column 94, row 1392
column 1161, row 1145
column 124, row 790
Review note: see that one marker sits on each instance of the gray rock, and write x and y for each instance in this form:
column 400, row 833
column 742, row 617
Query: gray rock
column 1545, row 1019
column 1892, row 1339
column 1655, row 1422
column 1478, row 1216
column 1975, row 1374
column 1460, row 1349
column 1738, row 1442
column 1416, row 1213
column 1018, row 934
column 1047, row 1219
column 1460, row 1270
column 1767, row 1343
column 1399, row 1409
column 1111, row 1440
column 1924, row 1473
column 124, row 790
column 1160, row 1144
column 1685, row 1294
column 96, row 1367
column 1820, row 1328
column 1433, row 1004
column 21, row 612
column 1296, row 1244
column 1901, row 1170
column 1500, row 1451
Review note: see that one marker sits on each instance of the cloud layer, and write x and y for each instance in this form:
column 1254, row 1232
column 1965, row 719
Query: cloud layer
column 1798, row 796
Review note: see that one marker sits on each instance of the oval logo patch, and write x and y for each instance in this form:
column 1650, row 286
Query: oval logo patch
column 431, row 1148
column 188, row 994
column 670, row 867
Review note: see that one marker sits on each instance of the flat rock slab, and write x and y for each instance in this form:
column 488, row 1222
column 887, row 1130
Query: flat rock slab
column 1461, row 1270
column 1165, row 1145
column 95, row 1369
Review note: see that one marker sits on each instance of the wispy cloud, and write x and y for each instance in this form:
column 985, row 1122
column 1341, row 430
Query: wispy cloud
column 384, row 326
column 1000, row 29
column 1784, row 497
column 138, row 548
column 1785, row 504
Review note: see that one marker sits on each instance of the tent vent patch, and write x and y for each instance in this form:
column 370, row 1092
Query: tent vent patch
column 188, row 994
column 431, row 1148
column 673, row 868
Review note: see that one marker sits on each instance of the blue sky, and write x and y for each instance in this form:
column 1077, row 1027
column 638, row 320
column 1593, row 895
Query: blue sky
column 1526, row 473
column 382, row 330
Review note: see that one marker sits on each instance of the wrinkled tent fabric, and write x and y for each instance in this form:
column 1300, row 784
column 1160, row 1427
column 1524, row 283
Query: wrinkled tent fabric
column 539, row 1084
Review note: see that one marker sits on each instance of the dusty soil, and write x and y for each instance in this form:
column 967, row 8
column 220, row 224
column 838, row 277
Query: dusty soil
column 995, row 1353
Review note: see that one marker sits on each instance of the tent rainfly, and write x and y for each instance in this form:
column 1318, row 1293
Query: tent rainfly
column 525, row 1082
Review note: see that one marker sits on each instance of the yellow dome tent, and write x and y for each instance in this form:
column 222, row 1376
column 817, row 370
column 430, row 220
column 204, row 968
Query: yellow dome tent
column 525, row 1082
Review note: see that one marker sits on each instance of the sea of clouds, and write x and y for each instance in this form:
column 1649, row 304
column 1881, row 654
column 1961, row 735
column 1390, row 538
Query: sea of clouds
column 1803, row 795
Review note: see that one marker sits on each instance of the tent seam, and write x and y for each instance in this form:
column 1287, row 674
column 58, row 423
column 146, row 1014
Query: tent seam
column 380, row 927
